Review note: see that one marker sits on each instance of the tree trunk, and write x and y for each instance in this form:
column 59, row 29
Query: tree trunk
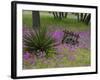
column 35, row 19
column 81, row 16
column 88, row 19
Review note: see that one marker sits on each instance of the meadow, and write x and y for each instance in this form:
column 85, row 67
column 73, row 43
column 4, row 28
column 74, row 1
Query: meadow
column 62, row 55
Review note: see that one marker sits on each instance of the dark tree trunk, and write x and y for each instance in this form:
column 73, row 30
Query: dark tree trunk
column 60, row 15
column 85, row 15
column 66, row 15
column 78, row 16
column 54, row 15
column 88, row 19
column 81, row 15
column 35, row 19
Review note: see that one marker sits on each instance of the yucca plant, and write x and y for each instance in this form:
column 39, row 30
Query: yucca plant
column 38, row 41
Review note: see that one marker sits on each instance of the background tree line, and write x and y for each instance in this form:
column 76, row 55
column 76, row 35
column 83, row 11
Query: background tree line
column 83, row 17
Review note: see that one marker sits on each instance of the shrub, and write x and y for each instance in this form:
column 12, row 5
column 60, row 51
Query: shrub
column 38, row 41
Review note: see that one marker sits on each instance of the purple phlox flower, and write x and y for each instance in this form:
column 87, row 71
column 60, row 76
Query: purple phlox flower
column 57, row 35
column 27, row 31
column 71, row 57
column 26, row 55
column 70, row 47
column 84, row 39
column 60, row 56
column 29, row 57
column 31, row 61
column 41, row 54
column 59, row 48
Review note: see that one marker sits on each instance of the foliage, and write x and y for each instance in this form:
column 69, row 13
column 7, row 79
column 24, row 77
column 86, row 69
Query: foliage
column 59, row 15
column 50, row 52
column 38, row 41
column 84, row 17
column 68, row 23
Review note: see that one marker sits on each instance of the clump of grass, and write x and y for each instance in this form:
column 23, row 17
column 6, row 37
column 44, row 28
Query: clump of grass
column 38, row 41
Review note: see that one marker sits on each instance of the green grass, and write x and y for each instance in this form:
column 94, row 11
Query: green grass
column 27, row 20
column 49, row 21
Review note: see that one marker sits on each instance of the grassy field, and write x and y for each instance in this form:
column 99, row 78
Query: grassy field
column 49, row 21
column 81, row 57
